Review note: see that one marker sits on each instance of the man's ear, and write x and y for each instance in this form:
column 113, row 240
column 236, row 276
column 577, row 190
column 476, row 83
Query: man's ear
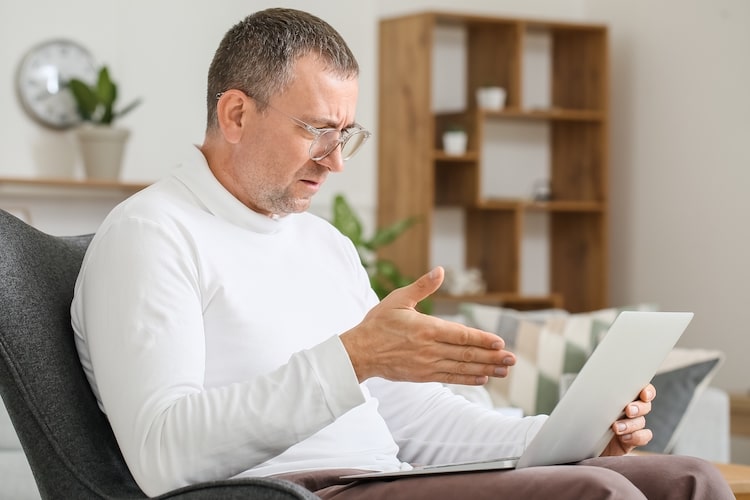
column 231, row 113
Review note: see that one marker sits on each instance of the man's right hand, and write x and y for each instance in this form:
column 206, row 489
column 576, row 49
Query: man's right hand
column 396, row 342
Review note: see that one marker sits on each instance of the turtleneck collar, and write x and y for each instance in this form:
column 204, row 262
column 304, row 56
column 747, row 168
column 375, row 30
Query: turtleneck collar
column 195, row 174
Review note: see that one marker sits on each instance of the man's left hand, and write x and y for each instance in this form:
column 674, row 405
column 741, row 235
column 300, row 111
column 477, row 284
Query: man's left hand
column 630, row 431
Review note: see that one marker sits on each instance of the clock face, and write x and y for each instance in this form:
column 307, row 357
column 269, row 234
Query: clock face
column 42, row 81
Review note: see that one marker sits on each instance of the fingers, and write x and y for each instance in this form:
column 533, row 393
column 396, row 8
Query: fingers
column 477, row 363
column 461, row 335
column 406, row 345
column 410, row 295
column 641, row 406
column 632, row 432
column 396, row 342
column 427, row 360
column 637, row 408
column 648, row 393
column 455, row 350
column 454, row 358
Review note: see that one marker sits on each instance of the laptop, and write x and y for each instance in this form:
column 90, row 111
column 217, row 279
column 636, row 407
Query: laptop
column 579, row 427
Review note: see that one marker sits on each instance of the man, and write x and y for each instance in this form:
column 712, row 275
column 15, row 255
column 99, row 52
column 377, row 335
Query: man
column 226, row 332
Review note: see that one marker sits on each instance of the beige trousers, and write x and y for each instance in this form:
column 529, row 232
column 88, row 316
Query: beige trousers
column 656, row 477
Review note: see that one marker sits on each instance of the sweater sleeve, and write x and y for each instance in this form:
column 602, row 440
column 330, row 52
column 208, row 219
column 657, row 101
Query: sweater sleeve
column 432, row 425
column 139, row 330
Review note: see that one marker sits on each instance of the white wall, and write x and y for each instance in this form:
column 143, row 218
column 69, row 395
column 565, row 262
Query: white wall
column 160, row 51
column 680, row 166
column 680, row 124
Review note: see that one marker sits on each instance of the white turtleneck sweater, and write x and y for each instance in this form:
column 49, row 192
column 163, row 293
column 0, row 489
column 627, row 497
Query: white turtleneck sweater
column 210, row 336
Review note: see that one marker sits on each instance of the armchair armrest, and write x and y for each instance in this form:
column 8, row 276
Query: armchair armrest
column 257, row 488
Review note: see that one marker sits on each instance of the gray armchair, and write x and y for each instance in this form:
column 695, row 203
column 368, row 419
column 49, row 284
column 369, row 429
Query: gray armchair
column 67, row 439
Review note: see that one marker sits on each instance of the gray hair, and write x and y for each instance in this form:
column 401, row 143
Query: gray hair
column 257, row 55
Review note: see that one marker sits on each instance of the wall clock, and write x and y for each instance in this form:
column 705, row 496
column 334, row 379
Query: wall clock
column 41, row 81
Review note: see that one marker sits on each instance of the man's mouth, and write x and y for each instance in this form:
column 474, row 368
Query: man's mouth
column 312, row 183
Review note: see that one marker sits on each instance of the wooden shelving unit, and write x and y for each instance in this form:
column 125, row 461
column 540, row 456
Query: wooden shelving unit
column 416, row 177
column 16, row 184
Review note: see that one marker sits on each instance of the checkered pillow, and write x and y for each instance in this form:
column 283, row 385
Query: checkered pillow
column 547, row 344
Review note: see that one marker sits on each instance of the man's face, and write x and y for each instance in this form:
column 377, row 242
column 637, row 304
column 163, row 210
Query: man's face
column 272, row 169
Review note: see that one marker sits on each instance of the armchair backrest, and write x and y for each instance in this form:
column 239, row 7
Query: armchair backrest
column 49, row 400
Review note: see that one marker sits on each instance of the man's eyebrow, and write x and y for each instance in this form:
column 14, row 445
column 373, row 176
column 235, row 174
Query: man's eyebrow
column 327, row 122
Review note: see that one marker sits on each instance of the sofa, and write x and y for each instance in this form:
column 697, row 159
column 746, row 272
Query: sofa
column 688, row 416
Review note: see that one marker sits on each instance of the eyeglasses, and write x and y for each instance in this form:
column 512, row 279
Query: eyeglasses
column 326, row 140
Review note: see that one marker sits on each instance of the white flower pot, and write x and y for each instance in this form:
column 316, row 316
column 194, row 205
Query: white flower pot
column 454, row 142
column 102, row 148
column 491, row 98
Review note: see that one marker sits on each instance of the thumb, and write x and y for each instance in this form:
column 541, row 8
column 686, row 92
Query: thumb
column 410, row 295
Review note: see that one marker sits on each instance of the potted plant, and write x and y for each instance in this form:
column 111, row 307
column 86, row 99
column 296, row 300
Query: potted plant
column 102, row 144
column 384, row 274
column 455, row 140
column 491, row 97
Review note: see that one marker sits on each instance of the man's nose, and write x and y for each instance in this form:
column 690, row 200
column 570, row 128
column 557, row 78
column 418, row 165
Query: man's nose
column 333, row 161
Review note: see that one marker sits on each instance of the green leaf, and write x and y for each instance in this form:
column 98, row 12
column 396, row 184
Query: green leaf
column 388, row 270
column 85, row 98
column 384, row 274
column 426, row 306
column 380, row 290
column 96, row 102
column 346, row 220
column 127, row 109
column 388, row 235
column 105, row 89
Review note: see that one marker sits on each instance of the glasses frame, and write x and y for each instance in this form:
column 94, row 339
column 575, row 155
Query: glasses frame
column 345, row 134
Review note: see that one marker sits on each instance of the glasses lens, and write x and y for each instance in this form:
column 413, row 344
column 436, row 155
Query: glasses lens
column 324, row 144
column 353, row 143
column 329, row 140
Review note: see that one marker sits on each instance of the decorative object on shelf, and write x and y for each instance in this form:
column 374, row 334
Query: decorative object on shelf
column 455, row 140
column 102, row 144
column 491, row 98
column 384, row 274
column 542, row 190
column 41, row 81
column 463, row 282
column 102, row 150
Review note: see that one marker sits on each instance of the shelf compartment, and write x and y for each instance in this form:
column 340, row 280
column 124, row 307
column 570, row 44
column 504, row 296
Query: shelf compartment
column 578, row 152
column 456, row 182
column 442, row 156
column 559, row 114
column 491, row 245
column 512, row 300
column 492, row 59
column 578, row 254
column 542, row 206
column 579, row 55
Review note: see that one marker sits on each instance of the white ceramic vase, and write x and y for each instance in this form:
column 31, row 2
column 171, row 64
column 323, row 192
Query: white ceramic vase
column 454, row 142
column 102, row 149
column 491, row 98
